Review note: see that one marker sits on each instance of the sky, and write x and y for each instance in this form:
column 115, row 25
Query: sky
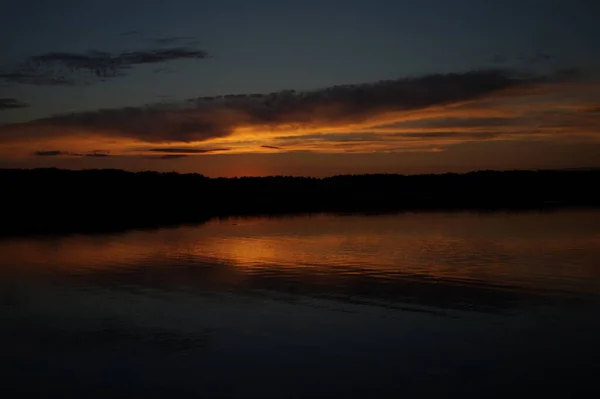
column 316, row 88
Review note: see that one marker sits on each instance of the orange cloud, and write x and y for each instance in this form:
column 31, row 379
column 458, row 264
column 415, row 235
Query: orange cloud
column 405, row 115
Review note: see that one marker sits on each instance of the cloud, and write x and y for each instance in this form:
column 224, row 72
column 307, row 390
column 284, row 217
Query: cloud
column 66, row 68
column 445, row 135
column 557, row 120
column 332, row 137
column 38, row 78
column 172, row 156
column 97, row 154
column 207, row 118
column 593, row 110
column 149, row 57
column 355, row 137
column 450, row 122
column 11, row 103
column 187, row 150
column 352, row 142
column 56, row 153
column 424, row 113
column 51, row 153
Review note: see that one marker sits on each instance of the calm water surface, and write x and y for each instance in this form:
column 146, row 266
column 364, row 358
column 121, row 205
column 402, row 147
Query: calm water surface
column 312, row 306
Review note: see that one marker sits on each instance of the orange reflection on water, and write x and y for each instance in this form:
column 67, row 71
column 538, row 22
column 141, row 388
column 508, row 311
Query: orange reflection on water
column 527, row 250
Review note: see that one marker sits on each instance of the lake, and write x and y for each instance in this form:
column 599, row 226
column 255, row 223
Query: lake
column 453, row 303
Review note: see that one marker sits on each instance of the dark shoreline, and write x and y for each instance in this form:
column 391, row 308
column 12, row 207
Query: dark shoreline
column 53, row 201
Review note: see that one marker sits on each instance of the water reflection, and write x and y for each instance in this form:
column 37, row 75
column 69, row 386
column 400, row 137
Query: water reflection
column 433, row 296
column 444, row 260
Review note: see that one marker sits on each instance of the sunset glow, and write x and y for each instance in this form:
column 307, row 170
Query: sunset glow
column 418, row 119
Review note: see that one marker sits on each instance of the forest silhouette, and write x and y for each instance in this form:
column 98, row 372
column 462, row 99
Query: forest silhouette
column 62, row 201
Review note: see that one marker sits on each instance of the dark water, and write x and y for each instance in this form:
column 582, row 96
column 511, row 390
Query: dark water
column 315, row 306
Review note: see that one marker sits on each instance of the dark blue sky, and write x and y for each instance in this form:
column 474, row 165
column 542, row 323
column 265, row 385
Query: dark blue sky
column 263, row 46
column 266, row 46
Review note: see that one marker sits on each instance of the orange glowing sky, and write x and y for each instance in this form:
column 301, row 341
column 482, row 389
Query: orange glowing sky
column 563, row 114
column 439, row 92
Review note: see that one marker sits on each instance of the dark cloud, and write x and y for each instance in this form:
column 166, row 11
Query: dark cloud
column 55, row 153
column 455, row 122
column 173, row 156
column 553, row 118
column 332, row 137
column 272, row 147
column 129, row 33
column 11, row 103
column 593, row 110
column 64, row 68
column 51, row 153
column 97, row 154
column 558, row 120
column 154, row 56
column 38, row 78
column 444, row 135
column 187, row 150
column 352, row 138
column 206, row 118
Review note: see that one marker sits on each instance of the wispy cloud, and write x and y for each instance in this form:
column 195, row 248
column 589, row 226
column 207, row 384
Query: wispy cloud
column 171, row 156
column 38, row 78
column 379, row 142
column 446, row 135
column 210, row 117
column 592, row 109
column 66, row 68
column 450, row 122
column 11, row 103
column 422, row 113
column 187, row 150
column 56, row 153
column 51, row 153
column 100, row 154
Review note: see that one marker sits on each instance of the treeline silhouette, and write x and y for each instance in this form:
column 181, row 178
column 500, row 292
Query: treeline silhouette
column 55, row 200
